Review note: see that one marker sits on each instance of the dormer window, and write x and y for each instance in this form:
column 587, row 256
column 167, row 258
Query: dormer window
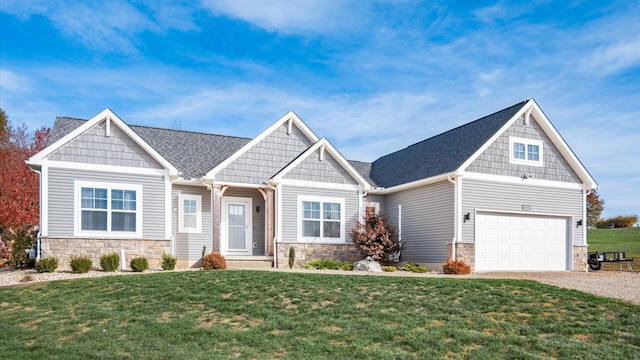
column 525, row 151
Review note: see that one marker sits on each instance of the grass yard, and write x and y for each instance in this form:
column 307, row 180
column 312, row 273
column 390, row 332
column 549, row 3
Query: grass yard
column 623, row 239
column 274, row 315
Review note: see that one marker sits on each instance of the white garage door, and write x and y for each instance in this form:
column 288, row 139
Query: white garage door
column 520, row 242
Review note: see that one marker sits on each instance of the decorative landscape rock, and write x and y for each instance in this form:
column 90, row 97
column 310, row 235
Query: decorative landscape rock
column 367, row 265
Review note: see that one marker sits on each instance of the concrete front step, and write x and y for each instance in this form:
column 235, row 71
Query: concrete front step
column 249, row 264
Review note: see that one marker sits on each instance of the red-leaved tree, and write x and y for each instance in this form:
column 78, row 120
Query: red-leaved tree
column 19, row 186
column 376, row 237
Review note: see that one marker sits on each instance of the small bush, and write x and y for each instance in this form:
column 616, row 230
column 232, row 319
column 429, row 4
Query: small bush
column 5, row 251
column 48, row 265
column 169, row 262
column 328, row 264
column 456, row 267
column 292, row 257
column 27, row 278
column 139, row 264
column 389, row 268
column 414, row 268
column 80, row 264
column 214, row 261
column 109, row 262
column 21, row 240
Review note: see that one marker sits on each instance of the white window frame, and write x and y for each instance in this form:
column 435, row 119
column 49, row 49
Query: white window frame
column 77, row 210
column 321, row 200
column 526, row 143
column 181, row 226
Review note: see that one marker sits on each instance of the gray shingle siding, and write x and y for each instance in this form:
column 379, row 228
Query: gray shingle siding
column 290, row 211
column 267, row 157
column 427, row 221
column 488, row 195
column 189, row 245
column 61, row 200
column 94, row 147
column 327, row 170
column 495, row 160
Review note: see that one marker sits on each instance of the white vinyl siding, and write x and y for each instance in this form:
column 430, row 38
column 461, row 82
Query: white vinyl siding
column 107, row 209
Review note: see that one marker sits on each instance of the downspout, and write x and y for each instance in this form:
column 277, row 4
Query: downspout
column 40, row 214
column 276, row 227
column 455, row 211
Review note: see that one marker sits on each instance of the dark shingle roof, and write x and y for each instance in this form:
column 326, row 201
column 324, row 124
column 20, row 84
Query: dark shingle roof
column 439, row 154
column 364, row 168
column 192, row 153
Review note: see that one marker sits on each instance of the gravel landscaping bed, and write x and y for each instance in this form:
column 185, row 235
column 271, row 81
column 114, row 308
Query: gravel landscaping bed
column 612, row 284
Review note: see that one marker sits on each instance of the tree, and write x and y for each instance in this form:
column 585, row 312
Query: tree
column 19, row 190
column 375, row 237
column 595, row 205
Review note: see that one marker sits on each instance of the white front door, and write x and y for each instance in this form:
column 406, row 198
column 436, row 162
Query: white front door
column 236, row 226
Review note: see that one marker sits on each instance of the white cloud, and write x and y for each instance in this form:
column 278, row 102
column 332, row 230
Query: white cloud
column 10, row 81
column 614, row 57
column 288, row 16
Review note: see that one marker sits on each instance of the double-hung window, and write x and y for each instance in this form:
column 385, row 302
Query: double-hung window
column 321, row 219
column 107, row 209
column 525, row 151
column 189, row 213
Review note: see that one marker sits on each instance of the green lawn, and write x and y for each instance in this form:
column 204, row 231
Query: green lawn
column 622, row 239
column 273, row 315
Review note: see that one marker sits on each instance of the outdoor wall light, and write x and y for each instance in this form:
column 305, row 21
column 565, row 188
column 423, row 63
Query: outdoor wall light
column 257, row 208
column 579, row 223
column 467, row 217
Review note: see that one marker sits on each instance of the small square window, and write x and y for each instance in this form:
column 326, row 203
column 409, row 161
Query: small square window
column 525, row 151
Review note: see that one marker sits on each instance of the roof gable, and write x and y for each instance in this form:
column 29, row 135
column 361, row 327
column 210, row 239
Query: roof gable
column 326, row 152
column 111, row 119
column 288, row 125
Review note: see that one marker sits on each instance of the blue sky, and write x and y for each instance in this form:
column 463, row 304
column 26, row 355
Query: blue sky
column 371, row 76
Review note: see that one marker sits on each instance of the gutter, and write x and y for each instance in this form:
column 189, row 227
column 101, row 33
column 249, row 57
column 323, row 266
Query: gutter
column 454, row 181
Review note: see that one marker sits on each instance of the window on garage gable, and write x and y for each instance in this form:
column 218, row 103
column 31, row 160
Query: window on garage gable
column 525, row 151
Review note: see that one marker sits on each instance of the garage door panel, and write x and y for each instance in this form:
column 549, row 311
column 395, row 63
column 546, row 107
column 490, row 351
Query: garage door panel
column 520, row 242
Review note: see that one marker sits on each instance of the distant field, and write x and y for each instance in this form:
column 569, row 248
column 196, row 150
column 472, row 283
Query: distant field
column 623, row 239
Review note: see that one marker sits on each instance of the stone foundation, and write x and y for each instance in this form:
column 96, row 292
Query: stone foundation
column 306, row 252
column 580, row 258
column 94, row 248
column 465, row 252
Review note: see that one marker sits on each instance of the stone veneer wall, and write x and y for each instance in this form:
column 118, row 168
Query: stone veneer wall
column 580, row 258
column 306, row 252
column 466, row 252
column 94, row 248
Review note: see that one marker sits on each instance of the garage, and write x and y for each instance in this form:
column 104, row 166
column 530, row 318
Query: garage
column 518, row 242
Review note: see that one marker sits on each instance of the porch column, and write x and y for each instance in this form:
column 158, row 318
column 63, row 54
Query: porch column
column 269, row 223
column 215, row 210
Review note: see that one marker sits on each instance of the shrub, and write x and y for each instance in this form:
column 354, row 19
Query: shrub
column 389, row 268
column 80, row 264
column 109, row 262
column 292, row 257
column 376, row 237
column 22, row 240
column 47, row 265
column 27, row 278
column 414, row 268
column 169, row 262
column 139, row 264
column 328, row 264
column 618, row 222
column 214, row 261
column 456, row 267
column 5, row 251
